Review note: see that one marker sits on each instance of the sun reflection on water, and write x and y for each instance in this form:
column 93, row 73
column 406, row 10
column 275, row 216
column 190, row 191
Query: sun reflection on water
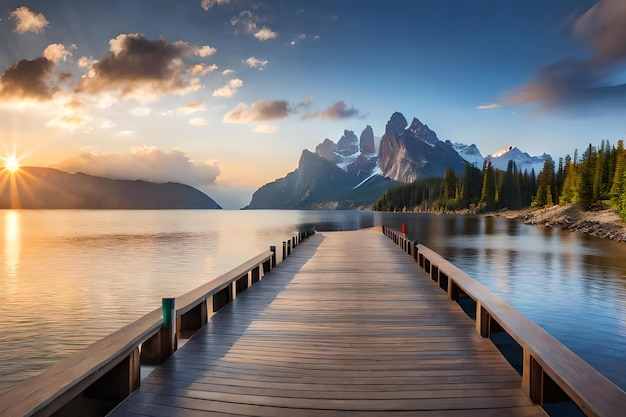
column 12, row 243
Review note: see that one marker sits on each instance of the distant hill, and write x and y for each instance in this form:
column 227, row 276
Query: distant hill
column 47, row 188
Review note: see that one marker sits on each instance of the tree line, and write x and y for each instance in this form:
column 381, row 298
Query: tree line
column 596, row 176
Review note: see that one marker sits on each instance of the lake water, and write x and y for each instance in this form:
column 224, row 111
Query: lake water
column 72, row 277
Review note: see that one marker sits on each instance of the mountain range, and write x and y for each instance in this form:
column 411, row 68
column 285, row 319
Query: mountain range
column 350, row 173
column 47, row 188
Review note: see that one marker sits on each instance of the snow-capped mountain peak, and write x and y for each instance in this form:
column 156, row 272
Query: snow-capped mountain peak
column 468, row 152
column 522, row 160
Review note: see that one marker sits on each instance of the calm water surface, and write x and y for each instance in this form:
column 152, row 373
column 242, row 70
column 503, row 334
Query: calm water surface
column 72, row 277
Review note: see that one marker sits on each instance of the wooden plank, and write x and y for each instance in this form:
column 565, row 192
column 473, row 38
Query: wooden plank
column 346, row 325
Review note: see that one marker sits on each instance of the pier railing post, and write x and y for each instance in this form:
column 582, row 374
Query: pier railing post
column 273, row 250
column 169, row 342
column 284, row 250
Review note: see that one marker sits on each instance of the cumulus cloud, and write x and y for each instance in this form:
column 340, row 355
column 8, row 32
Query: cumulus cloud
column 142, row 69
column 228, row 90
column 143, row 163
column 207, row 4
column 204, row 51
column 30, row 80
column 254, row 62
column 228, row 72
column 266, row 129
column 265, row 34
column 337, row 110
column 259, row 111
column 27, row 20
column 585, row 82
column 57, row 52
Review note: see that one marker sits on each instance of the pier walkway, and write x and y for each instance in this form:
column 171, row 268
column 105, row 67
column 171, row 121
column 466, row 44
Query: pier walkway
column 346, row 326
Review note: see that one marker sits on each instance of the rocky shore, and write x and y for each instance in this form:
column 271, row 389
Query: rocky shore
column 600, row 220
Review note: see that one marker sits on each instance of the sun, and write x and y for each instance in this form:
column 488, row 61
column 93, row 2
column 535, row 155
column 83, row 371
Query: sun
column 11, row 163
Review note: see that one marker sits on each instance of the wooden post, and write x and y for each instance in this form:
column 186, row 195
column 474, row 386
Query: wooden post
column 233, row 290
column 169, row 342
column 293, row 242
column 483, row 320
column 284, row 250
column 273, row 250
column 209, row 307
column 289, row 247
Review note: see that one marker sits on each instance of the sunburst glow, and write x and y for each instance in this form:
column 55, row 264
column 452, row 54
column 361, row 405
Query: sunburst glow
column 11, row 163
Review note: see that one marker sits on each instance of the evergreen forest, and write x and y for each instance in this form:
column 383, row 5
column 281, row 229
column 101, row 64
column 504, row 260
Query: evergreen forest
column 595, row 176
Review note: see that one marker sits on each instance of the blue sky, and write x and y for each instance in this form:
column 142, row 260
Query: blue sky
column 224, row 95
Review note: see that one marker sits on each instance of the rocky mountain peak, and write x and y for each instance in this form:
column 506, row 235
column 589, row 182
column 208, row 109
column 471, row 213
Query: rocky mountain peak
column 366, row 141
column 348, row 144
column 326, row 149
column 396, row 124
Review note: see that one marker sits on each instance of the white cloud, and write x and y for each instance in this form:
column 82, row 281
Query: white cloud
column 126, row 133
column 56, row 52
column 267, row 129
column 228, row 72
column 107, row 124
column 265, row 34
column 205, row 51
column 254, row 62
column 27, row 20
column 143, row 163
column 230, row 89
column 198, row 121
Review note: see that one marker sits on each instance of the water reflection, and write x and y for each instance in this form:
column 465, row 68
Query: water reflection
column 97, row 270
column 12, row 243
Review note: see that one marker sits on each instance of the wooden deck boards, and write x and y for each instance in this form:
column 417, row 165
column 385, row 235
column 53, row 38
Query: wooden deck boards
column 348, row 326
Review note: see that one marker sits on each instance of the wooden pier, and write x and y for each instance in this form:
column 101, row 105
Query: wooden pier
column 346, row 326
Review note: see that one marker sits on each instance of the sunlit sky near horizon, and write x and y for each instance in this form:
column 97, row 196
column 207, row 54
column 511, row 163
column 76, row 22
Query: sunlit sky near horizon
column 225, row 94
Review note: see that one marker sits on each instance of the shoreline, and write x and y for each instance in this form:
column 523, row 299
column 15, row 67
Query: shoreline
column 600, row 221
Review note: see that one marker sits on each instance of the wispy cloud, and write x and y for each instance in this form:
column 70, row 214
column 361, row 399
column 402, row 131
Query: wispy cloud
column 254, row 62
column 143, row 163
column 337, row 110
column 27, row 20
column 584, row 82
column 248, row 22
column 488, row 106
column 230, row 89
column 228, row 72
column 262, row 110
column 265, row 129
column 198, row 121
column 186, row 109
column 141, row 111
column 207, row 4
